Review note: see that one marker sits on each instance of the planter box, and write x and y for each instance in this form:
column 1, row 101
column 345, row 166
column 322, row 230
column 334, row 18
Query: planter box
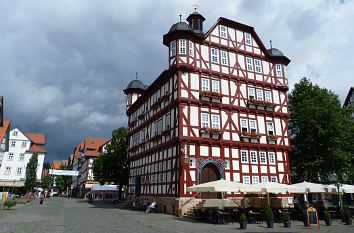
column 287, row 224
column 243, row 225
column 328, row 222
column 270, row 224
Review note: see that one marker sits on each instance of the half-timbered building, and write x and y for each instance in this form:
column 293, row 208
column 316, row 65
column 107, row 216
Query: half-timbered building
column 220, row 110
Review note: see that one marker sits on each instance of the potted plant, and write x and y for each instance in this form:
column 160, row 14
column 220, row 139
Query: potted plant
column 347, row 216
column 327, row 218
column 286, row 219
column 304, row 217
column 270, row 217
column 243, row 221
column 8, row 203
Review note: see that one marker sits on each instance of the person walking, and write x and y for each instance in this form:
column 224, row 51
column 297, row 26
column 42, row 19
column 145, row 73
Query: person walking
column 41, row 200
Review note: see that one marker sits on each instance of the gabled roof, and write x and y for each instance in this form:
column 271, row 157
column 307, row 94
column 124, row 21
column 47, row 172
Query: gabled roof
column 56, row 164
column 78, row 149
column 92, row 146
column 37, row 149
column 37, row 138
column 5, row 127
column 350, row 93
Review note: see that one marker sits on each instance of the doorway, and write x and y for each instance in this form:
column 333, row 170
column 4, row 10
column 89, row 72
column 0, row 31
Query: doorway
column 210, row 173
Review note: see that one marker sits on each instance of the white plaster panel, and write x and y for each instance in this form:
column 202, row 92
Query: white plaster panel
column 225, row 86
column 226, row 152
column 215, row 32
column 257, row 51
column 264, row 169
column 249, row 48
column 224, row 42
column 215, row 67
column 279, row 156
column 277, row 126
column 214, row 39
column 234, row 153
column 194, row 81
column 261, row 125
column 245, row 169
column 226, row 136
column 204, row 109
column 236, row 176
column 215, row 151
column 192, row 173
column 272, row 169
column 214, row 111
column 254, row 169
column 192, row 149
column 227, row 176
column 239, row 35
column 241, row 61
column 184, row 93
column 196, row 131
column 235, row 137
column 286, row 142
column 194, row 121
column 235, row 165
column 280, row 167
column 225, row 100
column 281, row 176
column 204, row 150
column 232, row 59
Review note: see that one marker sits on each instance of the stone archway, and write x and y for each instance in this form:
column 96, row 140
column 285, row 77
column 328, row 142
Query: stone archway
column 208, row 173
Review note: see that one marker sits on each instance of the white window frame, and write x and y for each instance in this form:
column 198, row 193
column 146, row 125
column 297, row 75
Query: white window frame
column 259, row 94
column 253, row 126
column 205, row 120
column 191, row 49
column 24, row 144
column 255, row 179
column 13, row 143
column 273, row 179
column 214, row 55
column 224, row 59
column 14, row 133
column 248, row 38
column 253, row 157
column 173, row 48
column 264, row 179
column 22, row 157
column 258, row 65
column 270, row 127
column 205, row 84
column 268, row 96
column 17, row 171
column 7, row 171
column 10, row 157
column 223, row 32
column 215, row 85
column 262, row 157
column 251, row 93
column 278, row 70
column 244, row 124
column 182, row 47
column 244, row 156
column 271, row 157
column 246, row 180
column 215, row 121
column 249, row 64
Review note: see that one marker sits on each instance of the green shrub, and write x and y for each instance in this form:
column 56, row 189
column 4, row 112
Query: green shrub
column 8, row 203
column 269, row 214
column 286, row 216
column 327, row 215
column 243, row 217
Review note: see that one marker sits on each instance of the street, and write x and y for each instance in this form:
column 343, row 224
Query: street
column 74, row 215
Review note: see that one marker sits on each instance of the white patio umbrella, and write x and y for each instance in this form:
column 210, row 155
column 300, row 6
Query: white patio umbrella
column 347, row 188
column 309, row 187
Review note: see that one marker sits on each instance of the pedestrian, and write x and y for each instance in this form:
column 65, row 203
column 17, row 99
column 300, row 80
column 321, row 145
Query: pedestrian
column 41, row 199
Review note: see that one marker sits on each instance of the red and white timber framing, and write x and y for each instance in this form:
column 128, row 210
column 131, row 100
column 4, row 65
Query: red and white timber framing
column 246, row 135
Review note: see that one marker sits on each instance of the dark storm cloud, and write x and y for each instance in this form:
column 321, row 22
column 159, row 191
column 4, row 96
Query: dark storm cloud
column 64, row 64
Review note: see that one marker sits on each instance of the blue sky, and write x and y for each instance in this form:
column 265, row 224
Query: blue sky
column 64, row 64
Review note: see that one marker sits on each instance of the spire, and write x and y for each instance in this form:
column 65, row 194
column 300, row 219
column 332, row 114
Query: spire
column 270, row 42
column 196, row 22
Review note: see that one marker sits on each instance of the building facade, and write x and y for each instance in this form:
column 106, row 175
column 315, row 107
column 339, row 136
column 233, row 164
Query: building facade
column 21, row 148
column 4, row 132
column 220, row 110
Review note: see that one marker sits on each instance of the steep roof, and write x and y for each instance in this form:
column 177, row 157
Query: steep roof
column 37, row 149
column 78, row 149
column 4, row 128
column 92, row 145
column 37, row 138
column 56, row 164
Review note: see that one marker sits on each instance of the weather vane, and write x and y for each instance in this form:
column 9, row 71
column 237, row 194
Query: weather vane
column 195, row 5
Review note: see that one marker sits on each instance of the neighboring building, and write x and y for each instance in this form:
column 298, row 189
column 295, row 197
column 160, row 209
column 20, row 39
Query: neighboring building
column 84, row 155
column 57, row 164
column 45, row 172
column 349, row 101
column 22, row 146
column 219, row 111
column 4, row 132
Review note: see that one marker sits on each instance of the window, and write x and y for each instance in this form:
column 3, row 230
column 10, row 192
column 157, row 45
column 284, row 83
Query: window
column 214, row 55
column 215, row 121
column 224, row 59
column 7, row 171
column 255, row 179
column 10, row 157
column 244, row 125
column 268, row 96
column 273, row 179
column 262, row 157
column 24, row 144
column 191, row 49
column 223, row 32
column 14, row 133
column 271, row 157
column 173, row 48
column 244, row 156
column 13, row 143
column 253, row 126
column 205, row 84
column 248, row 39
column 249, row 64
column 270, row 128
column 22, row 157
column 205, row 120
column 215, row 86
column 19, row 171
column 278, row 70
column 264, row 179
column 253, row 157
column 251, row 93
column 246, row 179
column 257, row 66
column 168, row 121
column 182, row 46
column 227, row 164
column 259, row 94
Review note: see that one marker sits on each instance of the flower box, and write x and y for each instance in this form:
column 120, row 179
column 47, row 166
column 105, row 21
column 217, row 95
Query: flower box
column 166, row 132
column 211, row 94
column 156, row 137
column 260, row 103
column 250, row 135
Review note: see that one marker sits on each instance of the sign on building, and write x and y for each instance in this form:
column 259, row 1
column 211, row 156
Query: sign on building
column 63, row 172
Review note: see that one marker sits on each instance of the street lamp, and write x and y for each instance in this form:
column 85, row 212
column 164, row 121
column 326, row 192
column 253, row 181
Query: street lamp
column 334, row 178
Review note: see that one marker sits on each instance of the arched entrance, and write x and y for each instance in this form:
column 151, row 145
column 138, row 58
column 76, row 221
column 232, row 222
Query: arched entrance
column 209, row 173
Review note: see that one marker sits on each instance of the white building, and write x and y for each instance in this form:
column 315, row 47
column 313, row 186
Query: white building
column 14, row 162
column 4, row 131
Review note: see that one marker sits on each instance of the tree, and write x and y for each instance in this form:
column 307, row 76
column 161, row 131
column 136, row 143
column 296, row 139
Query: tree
column 46, row 182
column 321, row 133
column 113, row 166
column 31, row 172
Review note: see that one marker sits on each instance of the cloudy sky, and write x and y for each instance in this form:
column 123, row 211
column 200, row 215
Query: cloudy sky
column 64, row 64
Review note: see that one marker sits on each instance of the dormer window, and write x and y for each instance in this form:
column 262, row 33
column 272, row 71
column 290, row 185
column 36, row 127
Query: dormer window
column 223, row 32
column 14, row 133
column 248, row 39
column 182, row 46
